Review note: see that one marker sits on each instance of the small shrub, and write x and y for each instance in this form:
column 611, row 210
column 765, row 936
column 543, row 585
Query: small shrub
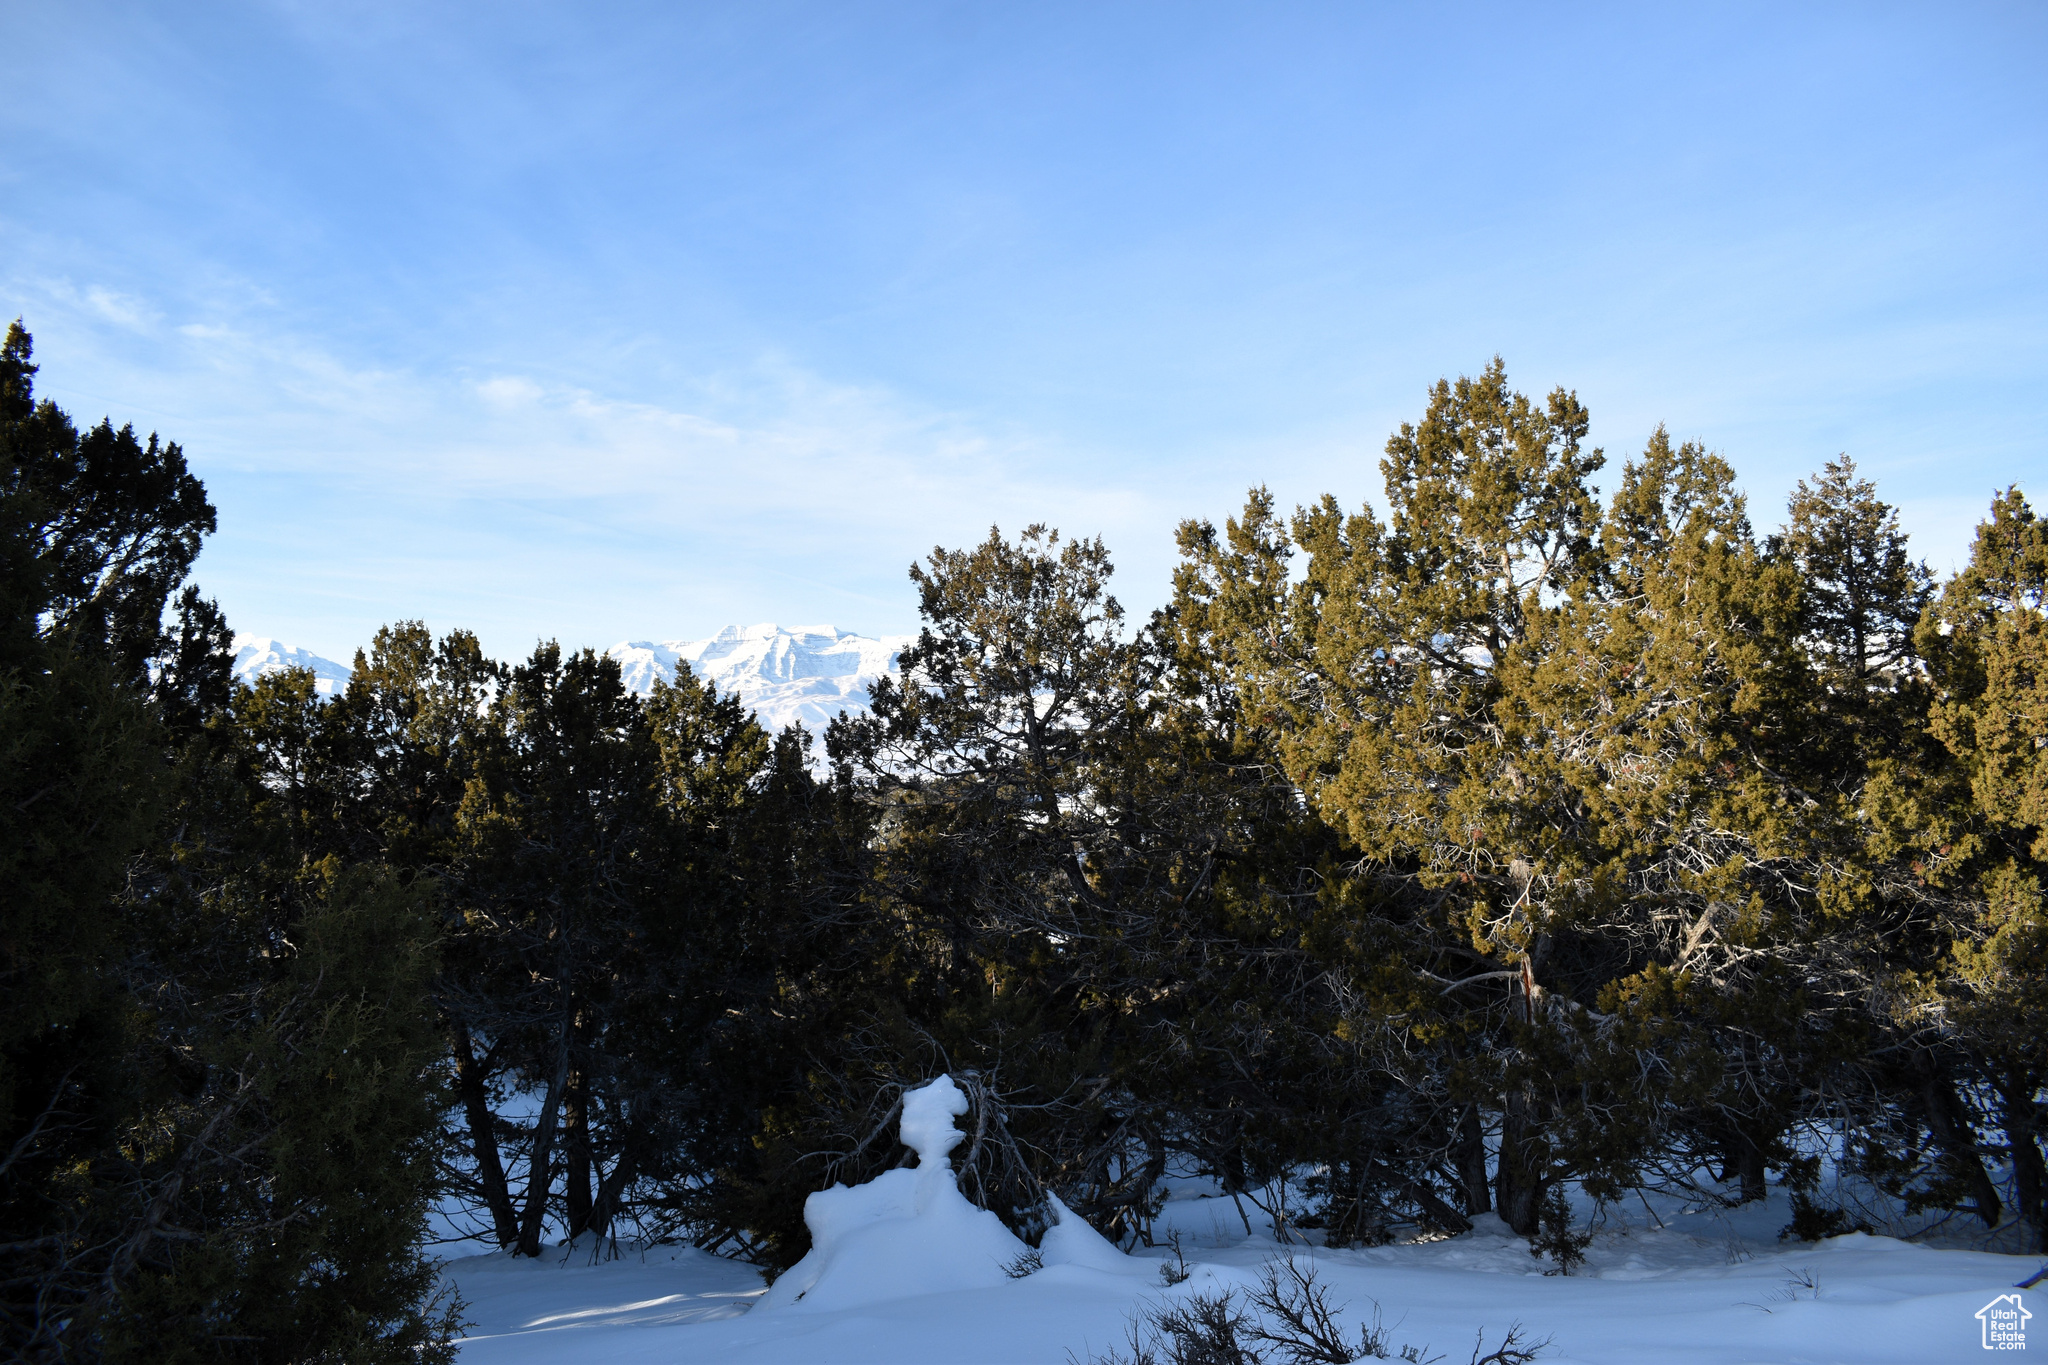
column 1514, row 1349
column 1293, row 1325
column 1178, row 1272
column 1556, row 1238
column 1206, row 1330
column 1813, row 1222
column 1801, row 1283
column 1297, row 1318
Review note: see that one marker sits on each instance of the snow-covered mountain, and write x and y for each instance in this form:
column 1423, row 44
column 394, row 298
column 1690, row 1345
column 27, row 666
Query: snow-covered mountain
column 802, row 673
column 806, row 673
column 256, row 655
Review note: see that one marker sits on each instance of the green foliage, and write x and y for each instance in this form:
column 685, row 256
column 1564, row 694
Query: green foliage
column 307, row 1245
column 1982, row 844
column 1557, row 1238
column 1862, row 596
column 1812, row 1222
column 1516, row 839
column 1633, row 796
column 1520, row 838
column 216, row 1100
column 102, row 527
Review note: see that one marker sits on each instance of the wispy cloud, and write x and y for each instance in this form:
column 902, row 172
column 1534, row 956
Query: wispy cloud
column 127, row 312
column 747, row 453
column 123, row 310
column 506, row 495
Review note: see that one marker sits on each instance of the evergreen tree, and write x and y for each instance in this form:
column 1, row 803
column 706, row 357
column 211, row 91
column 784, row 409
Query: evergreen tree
column 214, row 1096
column 1565, row 746
column 1515, row 839
column 1984, row 839
column 1862, row 595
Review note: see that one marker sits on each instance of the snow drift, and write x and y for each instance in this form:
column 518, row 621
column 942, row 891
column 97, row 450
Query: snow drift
column 906, row 1232
column 910, row 1231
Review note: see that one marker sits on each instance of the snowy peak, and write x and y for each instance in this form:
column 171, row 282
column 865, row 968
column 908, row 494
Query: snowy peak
column 256, row 655
column 787, row 674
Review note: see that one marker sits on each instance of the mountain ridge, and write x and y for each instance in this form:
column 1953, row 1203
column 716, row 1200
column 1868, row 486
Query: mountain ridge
column 256, row 655
column 785, row 674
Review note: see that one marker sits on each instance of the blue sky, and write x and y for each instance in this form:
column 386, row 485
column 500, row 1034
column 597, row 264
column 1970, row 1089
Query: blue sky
column 604, row 321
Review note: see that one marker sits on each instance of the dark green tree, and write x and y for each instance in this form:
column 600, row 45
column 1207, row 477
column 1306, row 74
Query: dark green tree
column 1981, row 832
column 214, row 1099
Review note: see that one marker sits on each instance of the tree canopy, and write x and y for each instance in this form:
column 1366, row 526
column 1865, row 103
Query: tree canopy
column 1408, row 866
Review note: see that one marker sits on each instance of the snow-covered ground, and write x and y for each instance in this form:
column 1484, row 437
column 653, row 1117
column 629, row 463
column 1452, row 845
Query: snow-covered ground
column 1708, row 1287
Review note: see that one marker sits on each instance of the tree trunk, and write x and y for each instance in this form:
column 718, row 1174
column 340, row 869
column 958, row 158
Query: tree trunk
column 1470, row 1155
column 540, row 1161
column 1235, row 1182
column 1518, row 1181
column 576, row 1152
column 472, row 1082
column 1749, row 1165
column 1442, row 1215
column 610, row 1190
column 2022, row 1121
column 1950, row 1125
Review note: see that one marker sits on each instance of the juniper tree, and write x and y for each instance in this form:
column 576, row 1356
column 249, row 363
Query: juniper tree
column 1381, row 676
column 1862, row 594
column 214, row 1095
column 632, row 892
column 1563, row 743
column 993, row 850
column 1982, row 837
column 1293, row 947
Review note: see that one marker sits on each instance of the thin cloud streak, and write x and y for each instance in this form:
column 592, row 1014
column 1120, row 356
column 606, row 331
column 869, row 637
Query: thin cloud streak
column 481, row 500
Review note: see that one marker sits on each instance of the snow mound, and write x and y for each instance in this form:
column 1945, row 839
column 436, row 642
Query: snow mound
column 1070, row 1241
column 906, row 1232
column 927, row 1127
